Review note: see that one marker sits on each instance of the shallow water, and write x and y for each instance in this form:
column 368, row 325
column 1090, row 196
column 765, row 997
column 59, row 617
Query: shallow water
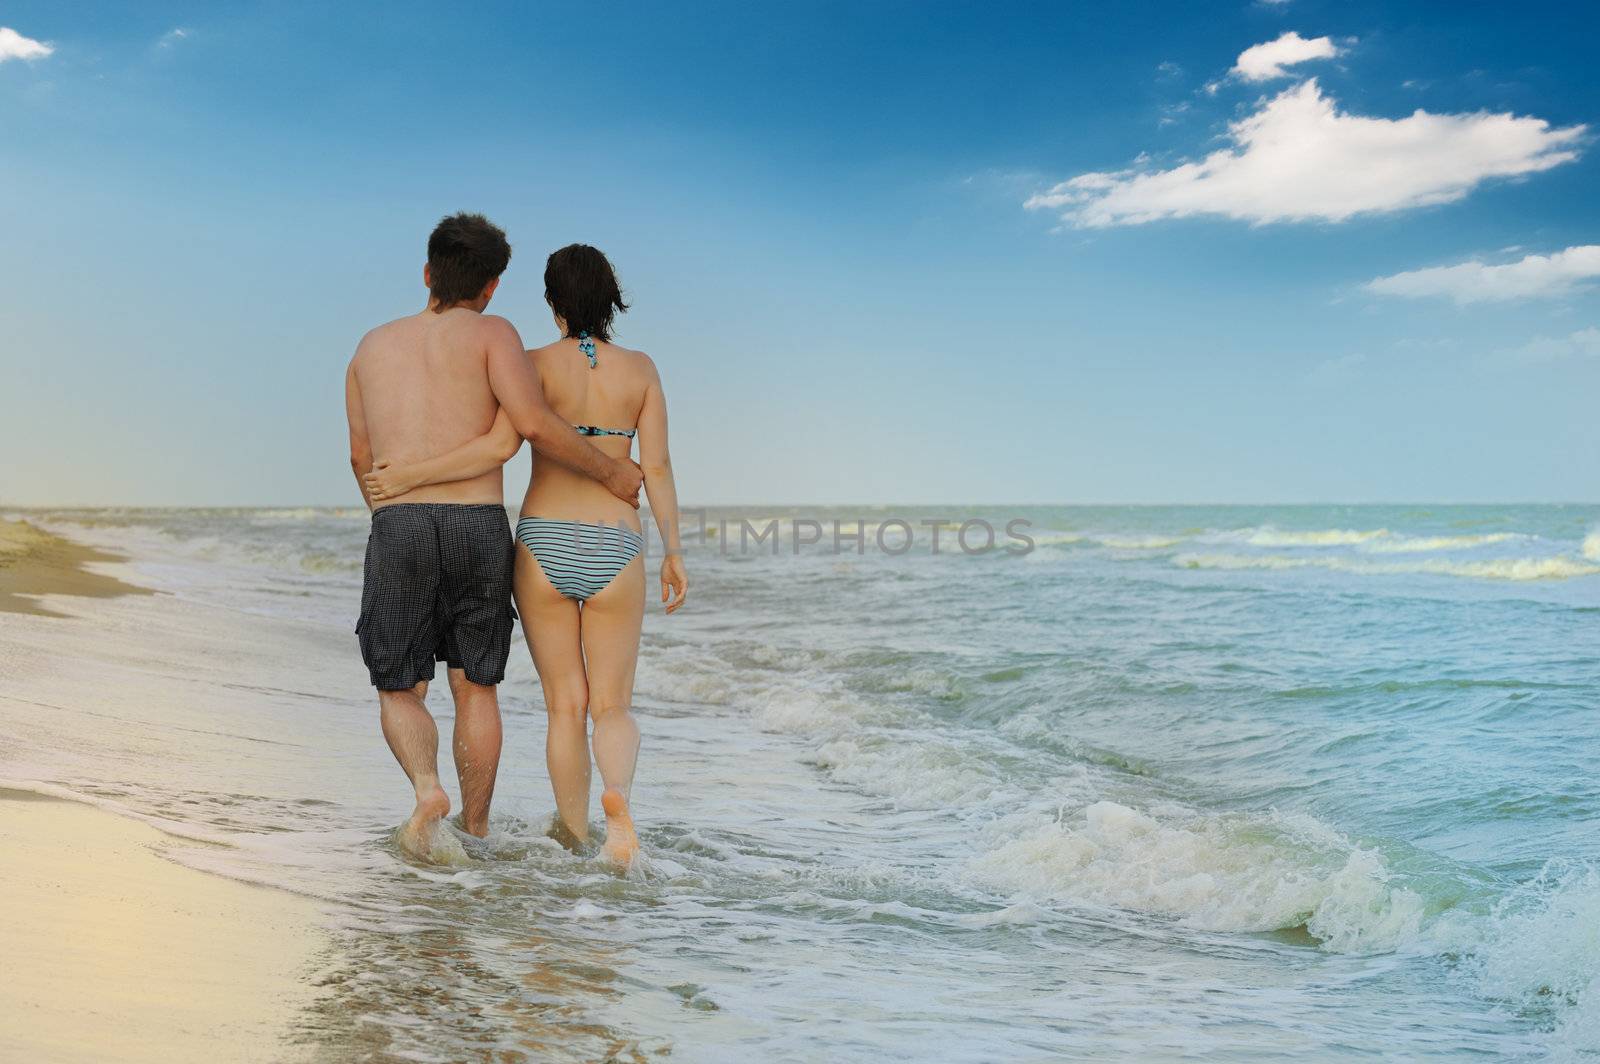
column 1223, row 783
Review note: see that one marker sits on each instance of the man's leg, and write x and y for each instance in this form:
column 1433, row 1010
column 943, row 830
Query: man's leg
column 399, row 587
column 414, row 739
column 476, row 744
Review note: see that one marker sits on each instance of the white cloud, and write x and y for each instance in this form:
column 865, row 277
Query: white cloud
column 1585, row 343
column 1299, row 158
column 14, row 45
column 1263, row 62
column 172, row 37
column 1532, row 277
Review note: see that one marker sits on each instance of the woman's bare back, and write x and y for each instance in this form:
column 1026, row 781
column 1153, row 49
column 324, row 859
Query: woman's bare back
column 608, row 395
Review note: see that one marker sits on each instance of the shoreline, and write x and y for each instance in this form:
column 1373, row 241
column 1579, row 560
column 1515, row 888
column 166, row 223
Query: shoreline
column 115, row 952
column 35, row 563
column 114, row 949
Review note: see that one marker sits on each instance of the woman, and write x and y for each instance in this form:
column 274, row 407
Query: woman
column 580, row 579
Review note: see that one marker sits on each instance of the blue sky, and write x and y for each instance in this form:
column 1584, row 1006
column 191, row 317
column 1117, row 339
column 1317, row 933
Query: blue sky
column 912, row 252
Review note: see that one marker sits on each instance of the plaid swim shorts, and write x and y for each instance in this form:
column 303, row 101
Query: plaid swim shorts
column 436, row 587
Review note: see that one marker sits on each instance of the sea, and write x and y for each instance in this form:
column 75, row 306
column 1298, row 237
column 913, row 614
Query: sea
column 1201, row 783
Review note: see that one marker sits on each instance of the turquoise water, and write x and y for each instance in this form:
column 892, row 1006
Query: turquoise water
column 1219, row 783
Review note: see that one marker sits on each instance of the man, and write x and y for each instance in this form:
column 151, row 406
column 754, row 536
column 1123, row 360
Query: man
column 437, row 582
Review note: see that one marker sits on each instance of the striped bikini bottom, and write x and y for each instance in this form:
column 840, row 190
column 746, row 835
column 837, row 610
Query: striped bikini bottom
column 579, row 559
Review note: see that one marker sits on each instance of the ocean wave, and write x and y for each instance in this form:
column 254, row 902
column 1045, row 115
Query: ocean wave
column 322, row 561
column 1232, row 873
column 1329, row 537
column 1372, row 541
column 1139, row 542
column 1056, row 539
column 305, row 513
column 1591, row 546
column 1536, row 949
column 1556, row 567
column 1396, row 544
column 683, row 675
column 1114, row 540
column 928, row 773
column 1539, row 950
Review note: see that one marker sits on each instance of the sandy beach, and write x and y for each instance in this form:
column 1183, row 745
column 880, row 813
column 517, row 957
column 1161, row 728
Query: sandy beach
column 113, row 950
column 116, row 953
column 34, row 563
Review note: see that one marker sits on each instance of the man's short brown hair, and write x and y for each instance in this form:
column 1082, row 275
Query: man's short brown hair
column 465, row 253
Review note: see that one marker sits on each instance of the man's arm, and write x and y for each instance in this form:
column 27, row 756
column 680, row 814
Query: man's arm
column 360, row 446
column 516, row 389
column 479, row 455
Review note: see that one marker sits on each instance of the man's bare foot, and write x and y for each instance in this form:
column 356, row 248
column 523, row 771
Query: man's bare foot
column 417, row 835
column 621, row 841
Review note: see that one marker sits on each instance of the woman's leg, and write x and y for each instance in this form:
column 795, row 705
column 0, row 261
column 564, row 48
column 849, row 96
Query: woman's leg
column 550, row 623
column 610, row 634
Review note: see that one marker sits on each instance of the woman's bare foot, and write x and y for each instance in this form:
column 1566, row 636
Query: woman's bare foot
column 621, row 841
column 416, row 836
column 566, row 836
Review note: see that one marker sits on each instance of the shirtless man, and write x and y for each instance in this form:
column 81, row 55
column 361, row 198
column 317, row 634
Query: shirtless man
column 437, row 582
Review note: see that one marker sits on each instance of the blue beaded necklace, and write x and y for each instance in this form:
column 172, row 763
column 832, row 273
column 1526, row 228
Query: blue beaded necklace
column 586, row 345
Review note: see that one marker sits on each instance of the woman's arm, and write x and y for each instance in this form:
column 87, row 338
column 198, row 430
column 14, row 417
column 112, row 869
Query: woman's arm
column 474, row 458
column 661, row 489
column 516, row 388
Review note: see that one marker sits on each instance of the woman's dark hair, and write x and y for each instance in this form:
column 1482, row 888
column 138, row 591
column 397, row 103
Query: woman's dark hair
column 581, row 287
column 465, row 252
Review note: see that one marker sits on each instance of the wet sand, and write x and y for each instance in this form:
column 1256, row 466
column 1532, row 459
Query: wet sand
column 114, row 952
column 35, row 563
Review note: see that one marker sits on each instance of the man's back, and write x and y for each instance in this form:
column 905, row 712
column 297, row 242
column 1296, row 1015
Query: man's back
column 425, row 391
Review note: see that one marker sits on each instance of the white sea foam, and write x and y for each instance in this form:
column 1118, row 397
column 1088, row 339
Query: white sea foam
column 1374, row 541
column 1591, row 546
column 1214, row 872
column 1139, row 542
column 1328, row 537
column 1056, row 539
column 304, row 513
column 1114, row 540
column 928, row 773
column 1018, row 915
column 1554, row 567
column 1396, row 544
column 1540, row 951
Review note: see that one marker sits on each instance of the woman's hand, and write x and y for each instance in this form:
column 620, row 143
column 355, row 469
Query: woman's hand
column 673, row 580
column 385, row 481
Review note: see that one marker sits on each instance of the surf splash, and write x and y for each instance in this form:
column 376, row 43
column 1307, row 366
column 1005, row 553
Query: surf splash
column 1244, row 873
column 1556, row 567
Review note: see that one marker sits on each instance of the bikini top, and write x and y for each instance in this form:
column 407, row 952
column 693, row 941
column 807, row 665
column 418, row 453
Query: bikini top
column 586, row 345
column 590, row 430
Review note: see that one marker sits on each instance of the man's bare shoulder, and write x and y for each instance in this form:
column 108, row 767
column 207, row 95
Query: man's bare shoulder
column 379, row 337
column 495, row 328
